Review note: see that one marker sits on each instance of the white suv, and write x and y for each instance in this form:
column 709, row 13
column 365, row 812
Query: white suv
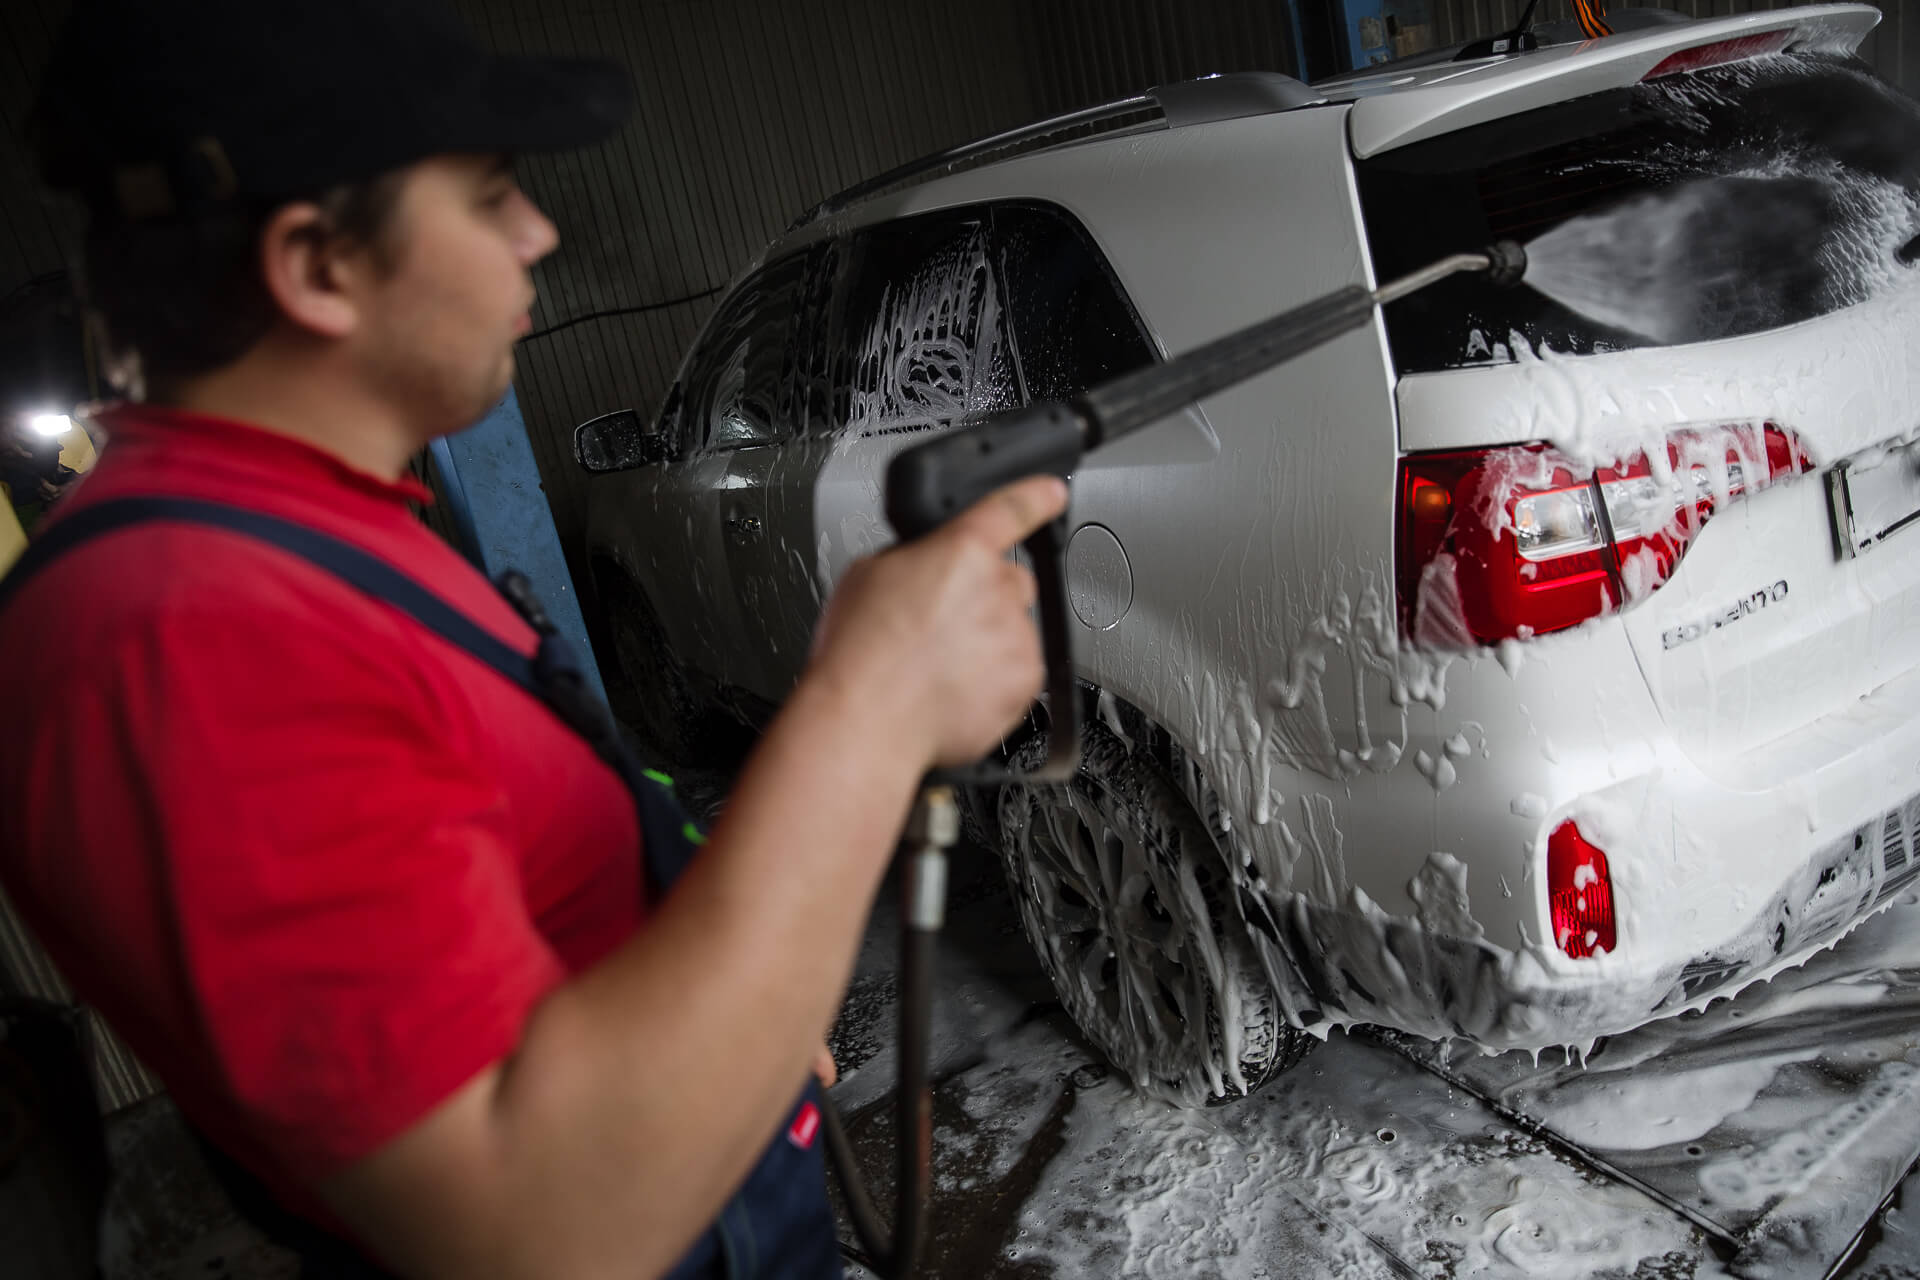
column 1488, row 672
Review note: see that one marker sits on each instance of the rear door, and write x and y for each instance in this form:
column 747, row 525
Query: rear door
column 915, row 342
column 905, row 335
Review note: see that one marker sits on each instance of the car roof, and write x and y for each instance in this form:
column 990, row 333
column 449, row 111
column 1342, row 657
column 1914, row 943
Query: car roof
column 1206, row 100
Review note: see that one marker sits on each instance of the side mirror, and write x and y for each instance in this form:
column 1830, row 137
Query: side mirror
column 617, row 441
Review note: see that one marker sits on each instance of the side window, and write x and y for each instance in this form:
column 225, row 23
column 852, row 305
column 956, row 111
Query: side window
column 820, row 343
column 738, row 392
column 914, row 332
column 1072, row 324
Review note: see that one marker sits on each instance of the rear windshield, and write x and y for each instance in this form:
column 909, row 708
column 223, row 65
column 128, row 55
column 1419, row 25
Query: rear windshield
column 1774, row 189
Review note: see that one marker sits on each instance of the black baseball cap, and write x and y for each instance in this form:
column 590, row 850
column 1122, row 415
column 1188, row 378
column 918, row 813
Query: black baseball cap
column 153, row 108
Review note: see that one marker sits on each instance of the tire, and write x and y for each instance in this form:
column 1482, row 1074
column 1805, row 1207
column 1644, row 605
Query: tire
column 1126, row 900
column 651, row 693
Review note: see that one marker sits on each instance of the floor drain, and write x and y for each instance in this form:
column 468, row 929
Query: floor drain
column 1088, row 1076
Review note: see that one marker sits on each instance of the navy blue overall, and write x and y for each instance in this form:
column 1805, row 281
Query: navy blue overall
column 778, row 1224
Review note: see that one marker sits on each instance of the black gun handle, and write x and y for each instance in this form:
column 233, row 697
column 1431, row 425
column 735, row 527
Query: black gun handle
column 1047, row 548
column 932, row 483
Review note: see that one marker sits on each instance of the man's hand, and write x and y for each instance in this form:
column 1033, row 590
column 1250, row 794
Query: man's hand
column 938, row 630
column 825, row 1069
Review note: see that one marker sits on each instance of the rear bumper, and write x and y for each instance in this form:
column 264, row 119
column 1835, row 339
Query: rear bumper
column 1716, row 886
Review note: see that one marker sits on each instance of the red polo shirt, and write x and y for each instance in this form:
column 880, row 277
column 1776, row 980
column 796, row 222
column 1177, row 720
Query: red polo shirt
column 315, row 864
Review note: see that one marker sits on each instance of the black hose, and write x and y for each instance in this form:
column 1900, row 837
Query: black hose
column 896, row 1253
column 867, row 1224
column 637, row 309
column 913, row 1102
column 931, row 831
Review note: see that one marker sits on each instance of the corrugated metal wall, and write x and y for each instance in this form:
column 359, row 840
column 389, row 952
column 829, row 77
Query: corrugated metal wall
column 30, row 241
column 1081, row 52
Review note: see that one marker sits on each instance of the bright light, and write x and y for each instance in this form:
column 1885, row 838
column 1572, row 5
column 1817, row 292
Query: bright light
column 51, row 424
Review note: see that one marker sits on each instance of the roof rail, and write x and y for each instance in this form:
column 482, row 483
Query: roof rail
column 1168, row 106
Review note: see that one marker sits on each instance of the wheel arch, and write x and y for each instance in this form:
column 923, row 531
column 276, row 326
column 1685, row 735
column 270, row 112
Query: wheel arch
column 1275, row 936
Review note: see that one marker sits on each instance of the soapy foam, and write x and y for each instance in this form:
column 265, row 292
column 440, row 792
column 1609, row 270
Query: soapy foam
column 1774, row 189
column 1373, row 1177
column 1719, row 256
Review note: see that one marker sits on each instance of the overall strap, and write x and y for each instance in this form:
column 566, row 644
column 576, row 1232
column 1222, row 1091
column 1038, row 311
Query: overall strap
column 358, row 568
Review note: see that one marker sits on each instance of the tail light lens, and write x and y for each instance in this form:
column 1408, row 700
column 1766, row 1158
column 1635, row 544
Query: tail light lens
column 1719, row 53
column 1579, row 894
column 1517, row 541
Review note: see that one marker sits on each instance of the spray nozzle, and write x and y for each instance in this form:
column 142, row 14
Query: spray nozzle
column 1506, row 262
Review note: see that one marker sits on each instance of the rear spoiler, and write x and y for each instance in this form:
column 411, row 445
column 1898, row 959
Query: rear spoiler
column 1460, row 96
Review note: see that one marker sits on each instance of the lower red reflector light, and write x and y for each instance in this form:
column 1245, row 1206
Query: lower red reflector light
column 1579, row 894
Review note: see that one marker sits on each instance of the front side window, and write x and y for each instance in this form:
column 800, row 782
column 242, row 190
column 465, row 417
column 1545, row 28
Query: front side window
column 739, row 393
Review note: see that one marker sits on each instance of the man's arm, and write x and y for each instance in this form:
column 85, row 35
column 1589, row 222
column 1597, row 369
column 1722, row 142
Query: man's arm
column 642, row 1091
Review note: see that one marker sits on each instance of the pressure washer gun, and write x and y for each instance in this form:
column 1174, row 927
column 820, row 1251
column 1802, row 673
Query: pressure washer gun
column 930, row 484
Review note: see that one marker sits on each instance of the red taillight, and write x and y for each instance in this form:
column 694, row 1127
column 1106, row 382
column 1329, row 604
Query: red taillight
column 1720, row 52
column 1515, row 542
column 1579, row 894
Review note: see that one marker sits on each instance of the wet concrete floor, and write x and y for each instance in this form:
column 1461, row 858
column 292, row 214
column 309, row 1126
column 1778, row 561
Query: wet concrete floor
column 1381, row 1157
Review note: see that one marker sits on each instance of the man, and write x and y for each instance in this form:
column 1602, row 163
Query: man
column 376, row 916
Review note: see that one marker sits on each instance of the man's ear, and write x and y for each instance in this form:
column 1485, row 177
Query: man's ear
column 305, row 271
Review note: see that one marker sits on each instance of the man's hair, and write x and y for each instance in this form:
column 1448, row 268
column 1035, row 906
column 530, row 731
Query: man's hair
column 185, row 294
